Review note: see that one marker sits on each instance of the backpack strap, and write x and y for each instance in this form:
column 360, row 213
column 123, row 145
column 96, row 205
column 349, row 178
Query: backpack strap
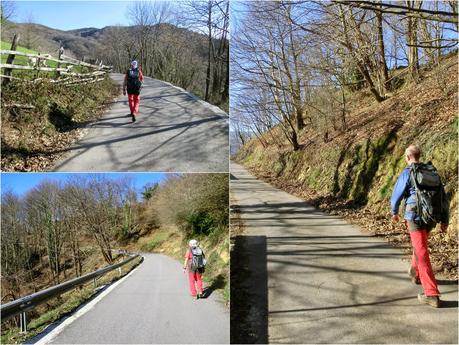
column 413, row 170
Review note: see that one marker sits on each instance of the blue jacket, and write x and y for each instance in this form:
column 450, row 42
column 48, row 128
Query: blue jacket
column 404, row 189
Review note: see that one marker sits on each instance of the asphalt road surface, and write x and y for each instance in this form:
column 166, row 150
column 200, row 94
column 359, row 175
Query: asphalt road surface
column 174, row 132
column 153, row 305
column 328, row 282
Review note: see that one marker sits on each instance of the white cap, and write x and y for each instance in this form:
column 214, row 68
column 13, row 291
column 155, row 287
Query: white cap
column 193, row 243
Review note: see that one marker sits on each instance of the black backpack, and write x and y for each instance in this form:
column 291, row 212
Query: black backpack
column 133, row 81
column 197, row 261
column 431, row 200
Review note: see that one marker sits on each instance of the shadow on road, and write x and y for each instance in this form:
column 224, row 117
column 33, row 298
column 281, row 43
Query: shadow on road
column 217, row 283
column 249, row 290
column 87, row 146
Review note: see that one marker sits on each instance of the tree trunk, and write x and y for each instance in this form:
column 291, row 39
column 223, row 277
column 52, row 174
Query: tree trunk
column 209, row 49
column 384, row 72
column 413, row 60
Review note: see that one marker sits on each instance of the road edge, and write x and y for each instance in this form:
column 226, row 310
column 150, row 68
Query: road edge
column 91, row 304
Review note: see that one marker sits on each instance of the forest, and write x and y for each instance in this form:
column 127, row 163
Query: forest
column 302, row 60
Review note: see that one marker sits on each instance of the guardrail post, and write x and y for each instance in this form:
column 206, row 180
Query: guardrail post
column 95, row 283
column 119, row 270
column 23, row 322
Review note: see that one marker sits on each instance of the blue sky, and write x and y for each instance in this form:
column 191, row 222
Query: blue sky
column 68, row 15
column 20, row 183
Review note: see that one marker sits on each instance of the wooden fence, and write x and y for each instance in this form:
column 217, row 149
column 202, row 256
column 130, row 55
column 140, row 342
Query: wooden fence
column 64, row 71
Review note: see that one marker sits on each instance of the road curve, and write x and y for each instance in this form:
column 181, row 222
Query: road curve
column 325, row 281
column 153, row 305
column 175, row 132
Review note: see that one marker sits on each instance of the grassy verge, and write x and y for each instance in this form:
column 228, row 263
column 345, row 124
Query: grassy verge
column 64, row 305
column 24, row 61
column 169, row 241
column 32, row 139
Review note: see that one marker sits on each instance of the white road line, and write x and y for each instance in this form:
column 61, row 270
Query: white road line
column 55, row 332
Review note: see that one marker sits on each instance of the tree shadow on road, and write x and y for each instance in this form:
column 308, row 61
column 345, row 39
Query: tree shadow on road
column 249, row 290
column 217, row 283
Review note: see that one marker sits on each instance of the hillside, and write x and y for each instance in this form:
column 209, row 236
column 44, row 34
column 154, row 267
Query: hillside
column 160, row 219
column 165, row 52
column 81, row 43
column 352, row 172
column 48, row 40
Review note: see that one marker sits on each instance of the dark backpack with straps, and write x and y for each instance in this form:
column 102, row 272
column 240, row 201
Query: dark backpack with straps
column 133, row 81
column 197, row 260
column 431, row 200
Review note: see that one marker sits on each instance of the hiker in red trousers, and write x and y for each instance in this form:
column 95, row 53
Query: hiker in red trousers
column 133, row 83
column 426, row 204
column 194, row 263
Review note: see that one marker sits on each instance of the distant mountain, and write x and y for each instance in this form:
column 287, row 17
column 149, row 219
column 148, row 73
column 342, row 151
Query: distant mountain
column 48, row 40
column 84, row 42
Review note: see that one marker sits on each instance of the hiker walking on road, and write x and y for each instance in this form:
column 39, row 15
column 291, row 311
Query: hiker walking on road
column 425, row 205
column 133, row 83
column 194, row 262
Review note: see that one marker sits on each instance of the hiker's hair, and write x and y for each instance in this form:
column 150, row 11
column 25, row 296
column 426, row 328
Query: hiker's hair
column 413, row 151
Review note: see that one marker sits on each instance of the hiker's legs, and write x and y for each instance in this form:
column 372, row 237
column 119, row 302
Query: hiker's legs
column 199, row 282
column 131, row 103
column 414, row 264
column 191, row 280
column 136, row 103
column 421, row 252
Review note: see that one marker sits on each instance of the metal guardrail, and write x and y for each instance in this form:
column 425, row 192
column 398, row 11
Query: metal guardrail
column 26, row 303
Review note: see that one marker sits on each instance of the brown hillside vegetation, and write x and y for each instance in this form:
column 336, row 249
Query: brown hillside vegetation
column 32, row 139
column 59, row 230
column 352, row 172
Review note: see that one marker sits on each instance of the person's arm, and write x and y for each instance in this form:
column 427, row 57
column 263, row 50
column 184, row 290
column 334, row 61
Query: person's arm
column 125, row 84
column 185, row 263
column 399, row 193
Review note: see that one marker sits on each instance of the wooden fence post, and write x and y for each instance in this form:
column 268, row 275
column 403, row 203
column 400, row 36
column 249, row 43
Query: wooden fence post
column 10, row 59
column 61, row 52
column 37, row 66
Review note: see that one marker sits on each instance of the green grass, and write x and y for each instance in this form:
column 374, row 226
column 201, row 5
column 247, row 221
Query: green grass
column 24, row 61
column 156, row 241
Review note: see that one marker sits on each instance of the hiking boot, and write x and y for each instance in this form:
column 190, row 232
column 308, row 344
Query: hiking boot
column 198, row 296
column 433, row 301
column 414, row 278
column 133, row 117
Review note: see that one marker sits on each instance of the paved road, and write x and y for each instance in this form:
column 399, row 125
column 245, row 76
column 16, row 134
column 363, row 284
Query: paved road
column 153, row 305
column 174, row 132
column 328, row 282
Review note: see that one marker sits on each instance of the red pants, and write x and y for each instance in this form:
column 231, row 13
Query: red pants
column 195, row 278
column 134, row 101
column 421, row 262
